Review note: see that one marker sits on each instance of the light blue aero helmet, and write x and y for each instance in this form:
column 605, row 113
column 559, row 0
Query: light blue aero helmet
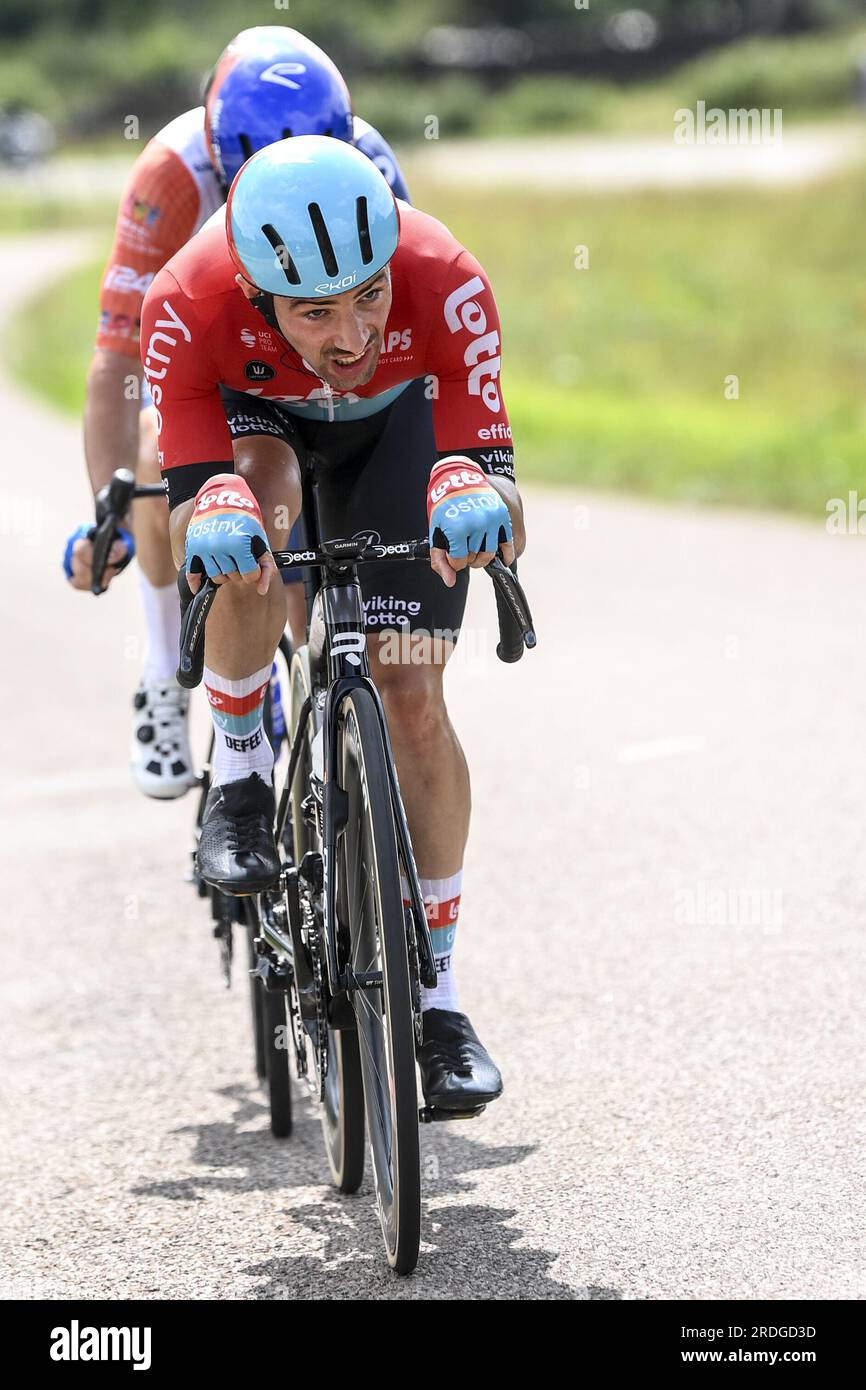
column 310, row 217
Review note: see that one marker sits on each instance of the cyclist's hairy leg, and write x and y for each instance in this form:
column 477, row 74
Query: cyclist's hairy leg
column 150, row 518
column 434, row 776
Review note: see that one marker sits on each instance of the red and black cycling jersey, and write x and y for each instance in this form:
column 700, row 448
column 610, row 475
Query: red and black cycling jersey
column 200, row 332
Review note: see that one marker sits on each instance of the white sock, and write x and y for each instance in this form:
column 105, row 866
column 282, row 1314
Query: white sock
column 240, row 742
column 442, row 902
column 162, row 622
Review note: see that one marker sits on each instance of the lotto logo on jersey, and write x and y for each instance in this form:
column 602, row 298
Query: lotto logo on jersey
column 482, row 358
column 127, row 279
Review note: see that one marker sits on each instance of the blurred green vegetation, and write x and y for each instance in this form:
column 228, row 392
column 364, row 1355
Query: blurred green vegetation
column 806, row 73
column 23, row 211
column 615, row 375
column 87, row 63
column 49, row 343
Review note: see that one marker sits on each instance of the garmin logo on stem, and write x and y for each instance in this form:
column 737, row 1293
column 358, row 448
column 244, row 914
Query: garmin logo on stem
column 77, row 1343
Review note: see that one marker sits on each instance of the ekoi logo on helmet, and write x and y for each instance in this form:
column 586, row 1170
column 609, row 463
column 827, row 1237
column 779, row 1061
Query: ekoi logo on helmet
column 336, row 286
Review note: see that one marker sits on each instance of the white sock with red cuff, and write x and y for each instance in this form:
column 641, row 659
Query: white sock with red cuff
column 162, row 621
column 442, row 903
column 240, row 742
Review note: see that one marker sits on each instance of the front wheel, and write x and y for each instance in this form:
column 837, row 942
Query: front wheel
column 368, row 879
column 342, row 1110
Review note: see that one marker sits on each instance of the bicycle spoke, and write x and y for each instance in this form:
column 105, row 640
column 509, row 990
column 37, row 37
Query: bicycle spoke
column 386, row 1121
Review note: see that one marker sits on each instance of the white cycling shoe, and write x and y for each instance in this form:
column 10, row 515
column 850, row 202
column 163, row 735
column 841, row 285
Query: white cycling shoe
column 160, row 755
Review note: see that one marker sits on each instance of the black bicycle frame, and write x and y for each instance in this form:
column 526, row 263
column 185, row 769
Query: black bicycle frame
column 339, row 664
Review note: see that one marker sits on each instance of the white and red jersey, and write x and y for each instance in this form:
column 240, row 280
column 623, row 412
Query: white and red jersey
column 171, row 192
column 200, row 332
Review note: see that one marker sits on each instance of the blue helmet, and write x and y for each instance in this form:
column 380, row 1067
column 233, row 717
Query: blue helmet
column 311, row 217
column 271, row 83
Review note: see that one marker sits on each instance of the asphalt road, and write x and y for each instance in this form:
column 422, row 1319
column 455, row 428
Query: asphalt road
column 661, row 943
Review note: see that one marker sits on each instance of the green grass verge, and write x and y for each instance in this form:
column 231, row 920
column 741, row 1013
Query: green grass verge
column 616, row 375
column 50, row 341
column 22, row 211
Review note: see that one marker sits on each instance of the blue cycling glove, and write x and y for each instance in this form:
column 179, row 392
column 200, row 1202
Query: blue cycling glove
column 86, row 532
column 465, row 514
column 225, row 534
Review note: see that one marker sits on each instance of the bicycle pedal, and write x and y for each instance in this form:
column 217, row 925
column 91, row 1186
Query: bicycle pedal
column 429, row 1114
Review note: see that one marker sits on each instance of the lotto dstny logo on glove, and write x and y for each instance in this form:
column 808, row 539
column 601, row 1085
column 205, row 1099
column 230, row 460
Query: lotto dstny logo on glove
column 225, row 534
column 465, row 514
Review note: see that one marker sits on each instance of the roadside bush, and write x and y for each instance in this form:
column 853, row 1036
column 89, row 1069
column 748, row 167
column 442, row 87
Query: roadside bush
column 807, row 73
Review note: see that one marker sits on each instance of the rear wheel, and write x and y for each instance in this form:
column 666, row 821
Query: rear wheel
column 278, row 1039
column 257, row 1011
column 369, row 880
column 343, row 1105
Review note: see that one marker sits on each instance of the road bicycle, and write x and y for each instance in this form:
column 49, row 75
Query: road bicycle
column 340, row 952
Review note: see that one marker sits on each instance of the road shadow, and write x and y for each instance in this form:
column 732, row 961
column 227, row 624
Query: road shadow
column 471, row 1249
column 266, row 1164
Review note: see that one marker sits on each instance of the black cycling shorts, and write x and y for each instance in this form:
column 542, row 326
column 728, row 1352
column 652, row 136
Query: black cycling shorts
column 372, row 479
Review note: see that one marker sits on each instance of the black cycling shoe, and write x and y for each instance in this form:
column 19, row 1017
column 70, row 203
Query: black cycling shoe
column 237, row 852
column 457, row 1072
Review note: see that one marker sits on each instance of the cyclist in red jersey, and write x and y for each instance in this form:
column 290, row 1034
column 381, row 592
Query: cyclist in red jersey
column 269, row 79
column 271, row 336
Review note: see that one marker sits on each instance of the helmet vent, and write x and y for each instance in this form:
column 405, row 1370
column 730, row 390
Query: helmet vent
column 325, row 247
column 364, row 230
column 246, row 145
column 281, row 251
